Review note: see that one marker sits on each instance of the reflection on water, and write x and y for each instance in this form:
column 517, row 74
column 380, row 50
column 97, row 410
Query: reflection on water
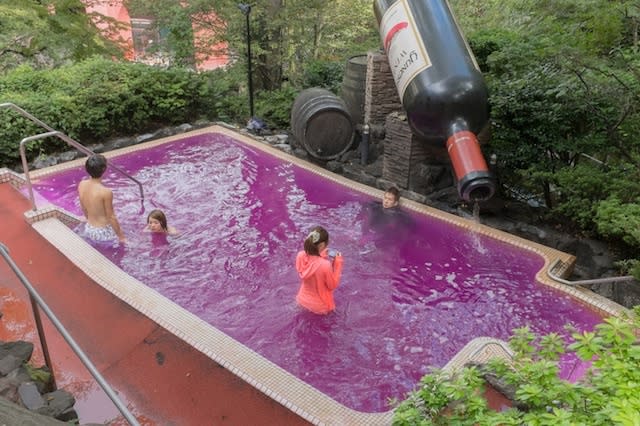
column 414, row 290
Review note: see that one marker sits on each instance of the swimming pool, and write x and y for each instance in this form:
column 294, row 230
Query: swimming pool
column 404, row 304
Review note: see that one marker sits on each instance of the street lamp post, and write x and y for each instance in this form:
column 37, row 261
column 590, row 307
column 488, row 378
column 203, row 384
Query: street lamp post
column 245, row 8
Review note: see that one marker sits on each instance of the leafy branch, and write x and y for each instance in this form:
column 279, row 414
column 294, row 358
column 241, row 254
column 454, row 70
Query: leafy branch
column 608, row 393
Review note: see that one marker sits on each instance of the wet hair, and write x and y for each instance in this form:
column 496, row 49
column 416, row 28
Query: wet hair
column 95, row 165
column 160, row 217
column 317, row 235
column 395, row 192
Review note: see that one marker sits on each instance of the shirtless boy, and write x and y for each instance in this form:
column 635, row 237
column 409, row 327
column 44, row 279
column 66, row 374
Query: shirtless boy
column 96, row 201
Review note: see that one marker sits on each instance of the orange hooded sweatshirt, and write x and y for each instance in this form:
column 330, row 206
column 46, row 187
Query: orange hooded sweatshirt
column 319, row 279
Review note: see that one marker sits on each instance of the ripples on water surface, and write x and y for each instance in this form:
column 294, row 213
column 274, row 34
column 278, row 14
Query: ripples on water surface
column 407, row 299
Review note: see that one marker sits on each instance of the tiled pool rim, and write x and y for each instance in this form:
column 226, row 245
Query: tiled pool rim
column 288, row 390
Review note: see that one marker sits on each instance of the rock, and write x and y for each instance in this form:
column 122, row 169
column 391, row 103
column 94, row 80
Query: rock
column 145, row 137
column 21, row 375
column 98, row 148
column 20, row 349
column 184, row 128
column 374, row 169
column 282, row 138
column 334, row 166
column 12, row 414
column 59, row 404
column 44, row 161
column 30, row 397
column 600, row 261
column 284, row 147
column 119, row 143
column 9, row 389
column 627, row 294
column 300, row 153
column 69, row 155
column 351, row 156
column 9, row 363
column 356, row 172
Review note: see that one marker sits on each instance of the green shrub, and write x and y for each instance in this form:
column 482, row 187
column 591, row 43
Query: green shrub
column 619, row 220
column 325, row 74
column 608, row 394
column 221, row 97
column 99, row 98
column 275, row 106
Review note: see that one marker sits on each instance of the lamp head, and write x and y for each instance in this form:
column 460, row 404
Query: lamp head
column 245, row 8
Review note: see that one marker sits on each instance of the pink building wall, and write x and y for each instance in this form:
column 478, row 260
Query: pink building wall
column 134, row 41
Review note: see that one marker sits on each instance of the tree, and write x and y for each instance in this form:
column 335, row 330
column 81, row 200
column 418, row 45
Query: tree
column 564, row 84
column 286, row 34
column 565, row 96
column 44, row 34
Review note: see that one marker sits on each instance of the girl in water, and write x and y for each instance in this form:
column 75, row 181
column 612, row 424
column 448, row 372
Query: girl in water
column 320, row 276
column 157, row 222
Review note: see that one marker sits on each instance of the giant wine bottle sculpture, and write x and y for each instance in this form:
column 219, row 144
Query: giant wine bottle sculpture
column 440, row 85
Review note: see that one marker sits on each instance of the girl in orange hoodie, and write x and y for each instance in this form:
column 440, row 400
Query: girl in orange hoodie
column 320, row 276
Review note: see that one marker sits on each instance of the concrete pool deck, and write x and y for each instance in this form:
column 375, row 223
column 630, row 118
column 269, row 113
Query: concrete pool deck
column 133, row 318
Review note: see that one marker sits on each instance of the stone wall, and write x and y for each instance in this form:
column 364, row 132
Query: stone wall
column 410, row 163
column 381, row 96
column 381, row 99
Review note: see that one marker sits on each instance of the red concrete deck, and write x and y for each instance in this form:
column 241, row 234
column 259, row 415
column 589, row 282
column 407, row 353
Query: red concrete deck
column 160, row 378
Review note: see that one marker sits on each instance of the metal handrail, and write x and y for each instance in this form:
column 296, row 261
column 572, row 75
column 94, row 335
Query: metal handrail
column 35, row 297
column 52, row 132
column 607, row 280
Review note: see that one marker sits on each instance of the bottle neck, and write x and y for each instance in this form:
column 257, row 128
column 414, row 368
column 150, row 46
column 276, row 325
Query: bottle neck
column 474, row 179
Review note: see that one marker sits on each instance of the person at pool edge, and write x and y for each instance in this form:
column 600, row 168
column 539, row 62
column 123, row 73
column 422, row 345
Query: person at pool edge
column 387, row 214
column 385, row 222
column 320, row 276
column 157, row 222
column 391, row 198
column 96, row 201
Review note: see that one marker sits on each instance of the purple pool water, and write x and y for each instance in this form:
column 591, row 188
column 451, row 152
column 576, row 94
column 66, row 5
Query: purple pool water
column 406, row 302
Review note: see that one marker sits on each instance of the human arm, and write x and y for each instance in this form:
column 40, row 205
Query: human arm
column 111, row 215
column 332, row 272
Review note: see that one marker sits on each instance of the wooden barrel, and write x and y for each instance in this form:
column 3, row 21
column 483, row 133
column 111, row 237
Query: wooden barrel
column 354, row 84
column 321, row 123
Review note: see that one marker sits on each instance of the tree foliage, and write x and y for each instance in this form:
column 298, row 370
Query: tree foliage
column 285, row 36
column 564, row 85
column 45, row 34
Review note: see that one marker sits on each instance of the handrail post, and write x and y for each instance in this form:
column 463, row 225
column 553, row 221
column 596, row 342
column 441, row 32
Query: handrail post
column 25, row 166
column 69, row 339
column 42, row 337
column 68, row 140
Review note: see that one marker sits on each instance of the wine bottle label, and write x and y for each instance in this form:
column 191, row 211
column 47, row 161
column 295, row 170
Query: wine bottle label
column 404, row 47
